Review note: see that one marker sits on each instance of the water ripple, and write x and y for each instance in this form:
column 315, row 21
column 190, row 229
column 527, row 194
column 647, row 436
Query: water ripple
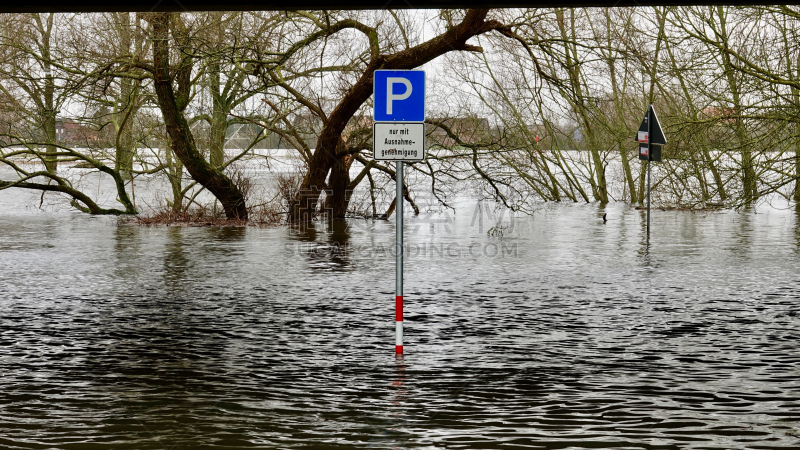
column 585, row 336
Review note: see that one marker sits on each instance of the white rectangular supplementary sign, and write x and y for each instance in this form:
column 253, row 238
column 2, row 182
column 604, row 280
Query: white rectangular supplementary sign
column 398, row 141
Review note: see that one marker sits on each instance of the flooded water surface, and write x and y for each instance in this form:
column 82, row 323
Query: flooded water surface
column 550, row 331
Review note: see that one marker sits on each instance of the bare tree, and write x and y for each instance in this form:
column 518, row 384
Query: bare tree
column 171, row 34
column 43, row 75
column 329, row 156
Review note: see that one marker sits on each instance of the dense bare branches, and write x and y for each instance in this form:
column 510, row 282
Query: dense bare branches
column 536, row 104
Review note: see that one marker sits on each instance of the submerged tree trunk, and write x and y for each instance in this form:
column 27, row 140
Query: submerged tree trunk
column 172, row 104
column 340, row 194
column 597, row 176
column 623, row 144
column 795, row 126
column 749, row 186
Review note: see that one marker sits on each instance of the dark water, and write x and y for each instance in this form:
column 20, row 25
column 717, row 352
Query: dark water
column 558, row 332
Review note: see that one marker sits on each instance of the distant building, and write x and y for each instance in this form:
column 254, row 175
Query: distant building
column 309, row 127
column 724, row 115
column 69, row 131
column 242, row 135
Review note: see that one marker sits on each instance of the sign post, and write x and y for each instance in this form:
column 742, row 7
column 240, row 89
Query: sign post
column 398, row 260
column 650, row 134
column 398, row 135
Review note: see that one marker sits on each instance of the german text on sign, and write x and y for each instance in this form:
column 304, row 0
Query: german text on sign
column 399, row 141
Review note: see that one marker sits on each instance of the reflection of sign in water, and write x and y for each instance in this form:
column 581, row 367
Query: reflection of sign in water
column 399, row 141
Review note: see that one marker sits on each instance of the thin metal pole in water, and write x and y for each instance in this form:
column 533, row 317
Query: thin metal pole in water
column 398, row 347
column 648, row 193
column 649, row 157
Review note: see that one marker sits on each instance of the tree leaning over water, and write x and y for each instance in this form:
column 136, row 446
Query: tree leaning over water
column 329, row 155
column 553, row 96
column 172, row 86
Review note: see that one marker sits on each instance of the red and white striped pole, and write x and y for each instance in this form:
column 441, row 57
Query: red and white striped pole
column 398, row 346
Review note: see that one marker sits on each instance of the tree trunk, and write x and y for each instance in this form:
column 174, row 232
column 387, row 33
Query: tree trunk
column 125, row 106
column 175, row 176
column 124, row 153
column 597, row 177
column 183, row 144
column 623, row 145
column 125, row 142
column 796, row 193
column 339, row 192
column 750, row 193
column 330, row 139
column 795, row 126
column 219, row 118
column 642, row 179
column 796, row 129
column 219, row 125
column 51, row 163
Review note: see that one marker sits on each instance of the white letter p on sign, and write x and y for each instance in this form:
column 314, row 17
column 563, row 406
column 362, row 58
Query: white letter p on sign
column 390, row 81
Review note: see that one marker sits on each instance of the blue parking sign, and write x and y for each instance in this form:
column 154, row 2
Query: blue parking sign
column 399, row 95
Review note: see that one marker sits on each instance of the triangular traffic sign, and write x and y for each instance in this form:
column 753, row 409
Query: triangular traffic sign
column 651, row 134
